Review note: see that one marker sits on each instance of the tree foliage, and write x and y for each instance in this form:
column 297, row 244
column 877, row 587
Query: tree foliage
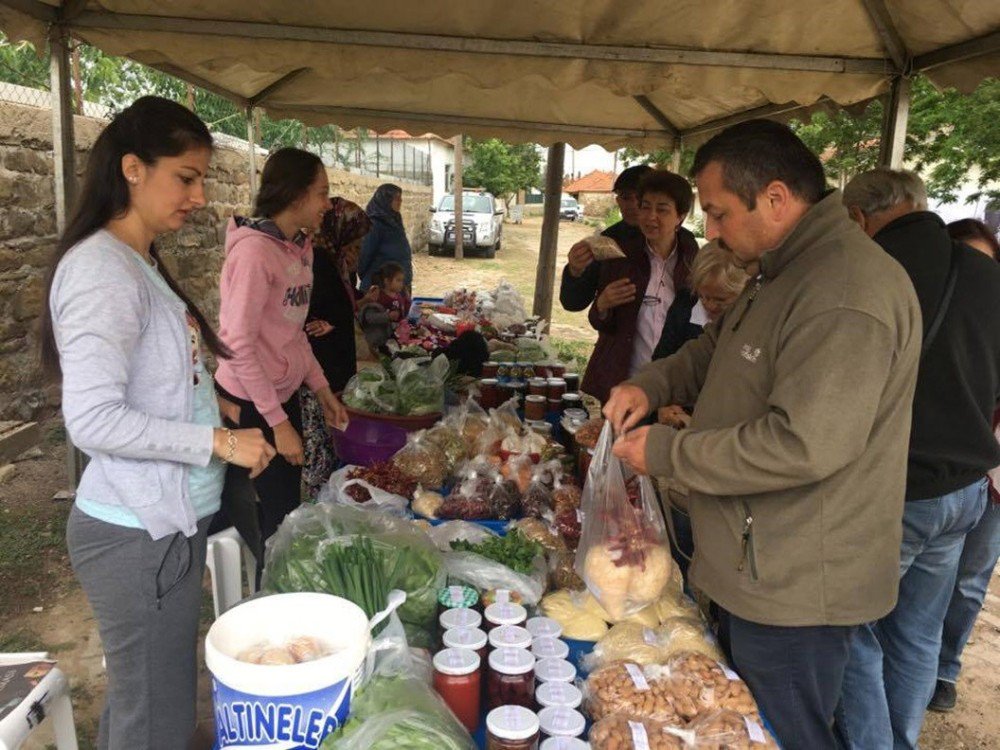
column 502, row 168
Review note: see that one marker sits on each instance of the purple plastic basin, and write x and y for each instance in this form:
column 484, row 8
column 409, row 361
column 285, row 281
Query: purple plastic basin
column 366, row 441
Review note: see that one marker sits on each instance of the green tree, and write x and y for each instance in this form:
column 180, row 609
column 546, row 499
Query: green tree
column 502, row 168
column 661, row 158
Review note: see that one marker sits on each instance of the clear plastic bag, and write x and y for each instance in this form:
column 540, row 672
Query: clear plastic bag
column 449, row 441
column 373, row 390
column 539, row 530
column 643, row 692
column 470, row 421
column 578, row 623
column 483, row 574
column 637, row 641
column 622, row 556
column 481, row 494
column 537, row 501
column 453, row 531
column 335, row 491
column 720, row 730
column 706, row 685
column 420, row 384
column 422, row 460
column 728, row 730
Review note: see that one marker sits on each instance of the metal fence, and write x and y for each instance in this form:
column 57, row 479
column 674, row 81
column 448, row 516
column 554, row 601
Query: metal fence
column 380, row 157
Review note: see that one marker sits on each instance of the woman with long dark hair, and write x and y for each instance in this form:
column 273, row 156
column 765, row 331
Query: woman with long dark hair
column 266, row 287
column 387, row 241
column 330, row 326
column 139, row 401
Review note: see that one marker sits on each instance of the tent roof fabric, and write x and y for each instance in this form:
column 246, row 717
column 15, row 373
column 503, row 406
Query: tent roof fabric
column 594, row 71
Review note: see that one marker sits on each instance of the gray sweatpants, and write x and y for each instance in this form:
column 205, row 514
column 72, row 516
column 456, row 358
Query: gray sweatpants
column 146, row 596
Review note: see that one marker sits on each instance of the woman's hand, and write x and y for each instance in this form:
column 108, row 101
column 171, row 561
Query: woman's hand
column 289, row 443
column 247, row 448
column 673, row 416
column 615, row 294
column 333, row 411
column 318, row 328
column 229, row 411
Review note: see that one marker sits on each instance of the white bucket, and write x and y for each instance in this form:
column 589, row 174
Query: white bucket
column 291, row 707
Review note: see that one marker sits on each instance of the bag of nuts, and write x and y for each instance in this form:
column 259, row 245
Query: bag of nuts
column 633, row 690
column 728, row 730
column 622, row 732
column 703, row 685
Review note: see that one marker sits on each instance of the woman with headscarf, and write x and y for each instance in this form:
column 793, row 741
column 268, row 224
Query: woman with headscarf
column 330, row 325
column 386, row 242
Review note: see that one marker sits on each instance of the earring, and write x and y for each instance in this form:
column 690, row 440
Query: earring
column 133, row 180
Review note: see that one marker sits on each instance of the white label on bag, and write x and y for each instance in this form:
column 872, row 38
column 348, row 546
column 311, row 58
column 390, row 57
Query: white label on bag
column 649, row 636
column 638, row 678
column 640, row 740
column 503, row 596
column 754, row 730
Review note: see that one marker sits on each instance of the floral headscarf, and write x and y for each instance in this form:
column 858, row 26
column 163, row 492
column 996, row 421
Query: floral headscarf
column 342, row 224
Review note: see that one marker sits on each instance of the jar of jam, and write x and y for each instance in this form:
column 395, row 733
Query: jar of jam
column 554, row 670
column 557, row 370
column 489, row 393
column 537, row 387
column 534, row 407
column 457, row 597
column 510, row 679
column 501, row 596
column 527, row 370
column 510, row 636
column 490, row 369
column 572, row 381
column 572, row 401
column 564, row 743
column 543, row 627
column 559, row 721
column 547, row 647
column 504, row 613
column 563, row 694
column 461, row 617
column 556, row 387
column 511, row 728
column 471, row 639
column 458, row 681
column 555, row 405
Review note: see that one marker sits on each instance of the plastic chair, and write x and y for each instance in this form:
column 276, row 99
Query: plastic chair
column 50, row 697
column 228, row 558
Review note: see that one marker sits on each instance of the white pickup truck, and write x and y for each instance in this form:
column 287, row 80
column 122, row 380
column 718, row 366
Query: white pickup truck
column 482, row 223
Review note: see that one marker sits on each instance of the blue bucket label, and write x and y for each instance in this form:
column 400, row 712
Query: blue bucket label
column 288, row 722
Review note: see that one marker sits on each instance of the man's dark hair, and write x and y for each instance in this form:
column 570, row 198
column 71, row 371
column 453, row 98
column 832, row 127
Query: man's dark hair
column 755, row 153
column 667, row 183
column 628, row 179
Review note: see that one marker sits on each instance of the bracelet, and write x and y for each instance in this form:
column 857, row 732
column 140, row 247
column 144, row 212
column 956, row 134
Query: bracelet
column 231, row 445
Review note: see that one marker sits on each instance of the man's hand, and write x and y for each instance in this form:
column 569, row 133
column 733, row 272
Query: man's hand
column 627, row 406
column 334, row 412
column 617, row 293
column 580, row 256
column 631, row 448
column 317, row 328
column 674, row 416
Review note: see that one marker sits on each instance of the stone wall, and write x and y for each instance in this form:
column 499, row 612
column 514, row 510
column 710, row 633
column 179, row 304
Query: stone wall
column 194, row 254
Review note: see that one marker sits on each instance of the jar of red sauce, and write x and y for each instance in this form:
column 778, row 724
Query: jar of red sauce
column 510, row 678
column 471, row 639
column 538, row 387
column 458, row 681
column 556, row 388
column 504, row 613
column 510, row 636
column 460, row 617
column 490, row 369
column 511, row 728
column 534, row 407
column 489, row 393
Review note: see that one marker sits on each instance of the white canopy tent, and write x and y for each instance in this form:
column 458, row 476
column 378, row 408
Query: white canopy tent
column 650, row 75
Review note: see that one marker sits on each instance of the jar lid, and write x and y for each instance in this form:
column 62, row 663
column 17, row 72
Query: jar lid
column 536, row 381
column 507, row 660
column 557, row 381
column 510, row 636
column 571, row 375
column 468, row 638
column 456, row 661
column 558, row 694
column 488, row 381
column 547, row 647
column 553, row 670
column 541, row 627
column 455, row 597
column 460, row 617
column 572, row 397
column 492, row 362
column 536, row 399
column 564, row 743
column 506, row 613
column 559, row 721
column 512, row 723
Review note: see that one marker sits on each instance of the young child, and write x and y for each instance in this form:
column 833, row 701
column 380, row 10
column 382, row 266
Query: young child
column 390, row 280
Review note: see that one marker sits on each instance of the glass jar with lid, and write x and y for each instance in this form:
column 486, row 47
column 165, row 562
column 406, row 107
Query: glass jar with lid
column 549, row 648
column 504, row 613
column 554, row 670
column 461, row 617
column 457, row 597
column 510, row 636
column 510, row 678
column 541, row 627
column 559, row 721
column 511, row 728
column 471, row 639
column 564, row 743
column 559, row 694
column 458, row 681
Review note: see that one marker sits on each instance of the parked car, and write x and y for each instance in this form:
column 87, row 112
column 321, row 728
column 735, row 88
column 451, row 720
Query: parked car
column 482, row 223
column 570, row 209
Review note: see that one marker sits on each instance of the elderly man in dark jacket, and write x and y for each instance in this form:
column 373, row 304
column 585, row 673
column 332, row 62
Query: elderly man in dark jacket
column 894, row 662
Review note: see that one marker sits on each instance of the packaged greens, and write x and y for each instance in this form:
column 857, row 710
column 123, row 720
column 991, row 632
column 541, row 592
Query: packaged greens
column 307, row 554
column 420, row 383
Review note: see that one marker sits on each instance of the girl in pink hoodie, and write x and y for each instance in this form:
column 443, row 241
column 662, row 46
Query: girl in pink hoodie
column 265, row 288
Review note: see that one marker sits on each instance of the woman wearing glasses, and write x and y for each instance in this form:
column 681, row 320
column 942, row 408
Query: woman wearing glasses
column 635, row 293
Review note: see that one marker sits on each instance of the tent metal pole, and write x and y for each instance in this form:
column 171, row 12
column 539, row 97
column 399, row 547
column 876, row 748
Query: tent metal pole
column 252, row 155
column 64, row 162
column 545, row 276
column 897, row 113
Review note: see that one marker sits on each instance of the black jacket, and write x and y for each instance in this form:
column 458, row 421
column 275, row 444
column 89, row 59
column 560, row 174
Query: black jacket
column 576, row 293
column 958, row 384
column 678, row 328
column 331, row 301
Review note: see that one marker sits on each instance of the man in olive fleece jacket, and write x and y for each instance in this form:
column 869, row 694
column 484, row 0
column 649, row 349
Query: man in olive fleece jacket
column 796, row 455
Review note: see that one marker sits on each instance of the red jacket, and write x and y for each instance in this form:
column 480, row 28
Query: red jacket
column 612, row 357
